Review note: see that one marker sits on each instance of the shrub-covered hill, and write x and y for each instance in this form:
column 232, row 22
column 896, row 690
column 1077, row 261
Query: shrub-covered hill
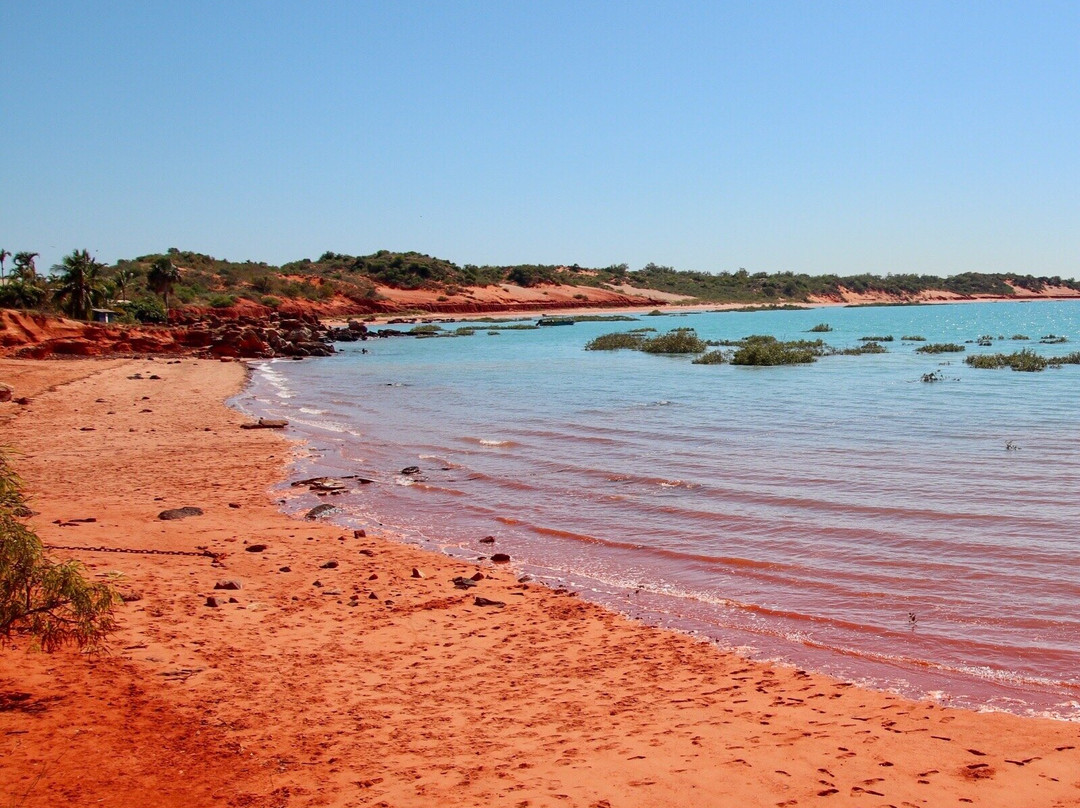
column 211, row 281
column 205, row 280
column 742, row 286
column 386, row 281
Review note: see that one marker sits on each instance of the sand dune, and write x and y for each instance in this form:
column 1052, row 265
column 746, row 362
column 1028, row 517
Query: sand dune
column 408, row 694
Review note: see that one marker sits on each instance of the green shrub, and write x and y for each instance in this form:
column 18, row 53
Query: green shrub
column 821, row 328
column 711, row 358
column 1020, row 336
column 530, row 275
column 764, row 307
column 222, row 301
column 1053, row 339
column 679, row 341
column 987, row 361
column 865, row 348
column 19, row 294
column 187, row 294
column 1069, row 359
column 614, row 342
column 425, row 329
column 1026, row 361
column 465, row 331
column 887, row 338
column 271, row 301
column 939, row 348
column 51, row 602
column 145, row 310
column 768, row 351
column 913, row 338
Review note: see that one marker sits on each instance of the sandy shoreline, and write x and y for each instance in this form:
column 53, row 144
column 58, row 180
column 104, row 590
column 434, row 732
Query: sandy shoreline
column 674, row 308
column 410, row 694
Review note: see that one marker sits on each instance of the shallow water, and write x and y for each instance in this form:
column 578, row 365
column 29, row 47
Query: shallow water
column 843, row 516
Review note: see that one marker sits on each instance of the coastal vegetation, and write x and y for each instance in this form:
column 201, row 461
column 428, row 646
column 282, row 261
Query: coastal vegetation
column 871, row 347
column 1025, row 360
column 716, row 357
column 602, row 318
column 179, row 278
column 764, row 350
column 679, row 341
column 940, row 348
column 821, row 328
column 754, row 350
column 766, row 307
column 743, row 286
column 52, row 603
column 613, row 342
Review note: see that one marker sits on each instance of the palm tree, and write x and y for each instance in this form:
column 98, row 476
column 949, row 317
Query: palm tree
column 162, row 277
column 4, row 255
column 123, row 277
column 24, row 266
column 80, row 283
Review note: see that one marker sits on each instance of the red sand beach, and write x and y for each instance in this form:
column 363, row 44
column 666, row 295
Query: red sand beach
column 384, row 687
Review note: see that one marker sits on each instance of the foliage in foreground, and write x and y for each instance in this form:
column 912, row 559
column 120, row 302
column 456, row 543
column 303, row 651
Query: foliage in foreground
column 51, row 602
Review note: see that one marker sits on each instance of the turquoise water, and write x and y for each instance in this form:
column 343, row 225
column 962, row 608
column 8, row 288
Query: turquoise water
column 796, row 513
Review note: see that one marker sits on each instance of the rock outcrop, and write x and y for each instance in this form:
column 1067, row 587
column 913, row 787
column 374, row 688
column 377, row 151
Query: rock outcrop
column 207, row 333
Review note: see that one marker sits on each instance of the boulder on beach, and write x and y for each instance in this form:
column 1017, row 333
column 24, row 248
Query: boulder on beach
column 319, row 510
column 180, row 513
column 267, row 423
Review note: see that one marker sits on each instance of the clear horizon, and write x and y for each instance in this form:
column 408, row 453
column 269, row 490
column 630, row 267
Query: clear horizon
column 853, row 137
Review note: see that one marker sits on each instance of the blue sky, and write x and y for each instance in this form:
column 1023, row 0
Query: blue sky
column 813, row 137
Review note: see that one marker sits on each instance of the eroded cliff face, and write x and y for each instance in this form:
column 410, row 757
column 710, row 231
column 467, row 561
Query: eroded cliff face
column 251, row 330
column 212, row 334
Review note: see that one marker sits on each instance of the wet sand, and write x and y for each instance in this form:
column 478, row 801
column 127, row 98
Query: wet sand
column 409, row 694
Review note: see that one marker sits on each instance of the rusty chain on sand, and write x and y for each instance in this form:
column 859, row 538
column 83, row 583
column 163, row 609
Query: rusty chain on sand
column 206, row 553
